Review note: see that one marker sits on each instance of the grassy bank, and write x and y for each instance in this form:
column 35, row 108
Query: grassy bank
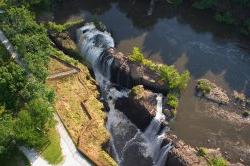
column 52, row 152
column 80, row 110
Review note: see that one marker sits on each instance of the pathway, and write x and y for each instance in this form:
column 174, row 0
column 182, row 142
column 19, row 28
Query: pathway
column 71, row 155
column 14, row 55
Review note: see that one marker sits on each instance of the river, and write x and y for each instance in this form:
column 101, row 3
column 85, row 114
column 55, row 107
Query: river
column 188, row 39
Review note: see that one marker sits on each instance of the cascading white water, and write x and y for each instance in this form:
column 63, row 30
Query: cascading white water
column 126, row 138
column 93, row 42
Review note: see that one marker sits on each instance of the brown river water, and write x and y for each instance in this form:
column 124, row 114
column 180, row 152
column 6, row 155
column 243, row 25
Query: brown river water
column 190, row 40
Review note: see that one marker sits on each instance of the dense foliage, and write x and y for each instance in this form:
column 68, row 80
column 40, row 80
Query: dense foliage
column 174, row 81
column 30, row 39
column 26, row 103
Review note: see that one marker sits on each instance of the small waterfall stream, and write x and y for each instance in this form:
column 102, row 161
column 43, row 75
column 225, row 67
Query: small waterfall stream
column 129, row 145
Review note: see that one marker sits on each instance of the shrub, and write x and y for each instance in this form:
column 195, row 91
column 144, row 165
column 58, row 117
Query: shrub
column 172, row 100
column 137, row 90
column 204, row 86
column 136, row 55
column 218, row 161
column 245, row 114
column 202, row 152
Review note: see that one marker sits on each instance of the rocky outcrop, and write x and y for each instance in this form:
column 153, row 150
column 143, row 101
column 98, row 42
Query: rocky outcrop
column 64, row 42
column 142, row 106
column 182, row 154
column 128, row 74
column 185, row 155
column 212, row 92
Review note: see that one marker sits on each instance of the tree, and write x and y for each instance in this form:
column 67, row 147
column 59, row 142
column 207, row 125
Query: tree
column 6, row 131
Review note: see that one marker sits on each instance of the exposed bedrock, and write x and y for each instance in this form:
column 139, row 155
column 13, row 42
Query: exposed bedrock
column 142, row 106
column 128, row 74
column 182, row 154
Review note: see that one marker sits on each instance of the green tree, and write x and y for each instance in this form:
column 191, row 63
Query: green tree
column 6, row 131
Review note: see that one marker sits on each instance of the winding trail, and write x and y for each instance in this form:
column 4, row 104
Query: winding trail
column 14, row 55
column 71, row 155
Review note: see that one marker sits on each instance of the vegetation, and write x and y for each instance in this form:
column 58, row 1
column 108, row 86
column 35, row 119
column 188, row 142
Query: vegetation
column 15, row 157
column 172, row 100
column 62, row 27
column 26, row 117
column 225, row 17
column 246, row 114
column 52, row 153
column 204, row 86
column 81, row 113
column 174, row 81
column 27, row 3
column 202, row 152
column 218, row 161
column 137, row 90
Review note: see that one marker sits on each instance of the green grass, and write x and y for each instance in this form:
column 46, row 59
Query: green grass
column 53, row 153
column 15, row 157
column 62, row 27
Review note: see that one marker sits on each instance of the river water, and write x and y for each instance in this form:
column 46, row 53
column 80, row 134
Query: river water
column 190, row 40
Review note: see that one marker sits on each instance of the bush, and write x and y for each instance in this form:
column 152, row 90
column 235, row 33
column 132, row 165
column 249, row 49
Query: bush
column 218, row 161
column 246, row 114
column 137, row 90
column 202, row 152
column 172, row 100
column 136, row 55
column 204, row 86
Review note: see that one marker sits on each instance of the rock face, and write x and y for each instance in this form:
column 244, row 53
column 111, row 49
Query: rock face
column 139, row 107
column 64, row 42
column 128, row 74
column 182, row 154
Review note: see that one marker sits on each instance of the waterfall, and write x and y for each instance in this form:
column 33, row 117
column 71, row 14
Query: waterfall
column 93, row 45
column 129, row 145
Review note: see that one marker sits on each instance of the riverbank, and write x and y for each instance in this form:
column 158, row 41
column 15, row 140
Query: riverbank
column 80, row 110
